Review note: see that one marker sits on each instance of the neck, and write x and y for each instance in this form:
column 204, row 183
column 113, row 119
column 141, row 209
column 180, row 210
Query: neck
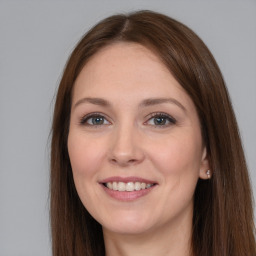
column 170, row 240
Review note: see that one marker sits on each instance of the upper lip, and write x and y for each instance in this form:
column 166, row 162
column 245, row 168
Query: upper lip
column 127, row 179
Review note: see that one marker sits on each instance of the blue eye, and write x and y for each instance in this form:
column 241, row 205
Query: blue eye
column 161, row 119
column 94, row 120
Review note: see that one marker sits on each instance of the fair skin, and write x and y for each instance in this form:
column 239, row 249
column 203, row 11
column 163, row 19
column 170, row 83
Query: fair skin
column 134, row 128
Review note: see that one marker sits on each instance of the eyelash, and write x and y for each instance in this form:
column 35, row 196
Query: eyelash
column 84, row 119
column 165, row 117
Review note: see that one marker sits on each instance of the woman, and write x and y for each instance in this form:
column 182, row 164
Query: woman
column 146, row 155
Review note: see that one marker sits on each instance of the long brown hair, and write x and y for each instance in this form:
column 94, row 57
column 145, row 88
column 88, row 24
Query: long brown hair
column 223, row 213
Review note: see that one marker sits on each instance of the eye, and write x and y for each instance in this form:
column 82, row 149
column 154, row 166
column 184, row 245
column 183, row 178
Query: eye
column 161, row 120
column 94, row 120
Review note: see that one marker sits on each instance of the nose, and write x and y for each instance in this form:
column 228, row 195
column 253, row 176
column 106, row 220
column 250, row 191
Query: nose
column 126, row 146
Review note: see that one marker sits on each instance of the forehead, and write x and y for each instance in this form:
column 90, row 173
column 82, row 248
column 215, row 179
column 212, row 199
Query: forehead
column 121, row 56
column 123, row 65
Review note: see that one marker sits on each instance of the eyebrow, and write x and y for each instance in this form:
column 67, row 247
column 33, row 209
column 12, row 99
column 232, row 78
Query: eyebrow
column 144, row 103
column 95, row 101
column 156, row 101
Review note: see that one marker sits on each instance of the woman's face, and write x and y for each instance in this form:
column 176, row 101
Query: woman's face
column 134, row 143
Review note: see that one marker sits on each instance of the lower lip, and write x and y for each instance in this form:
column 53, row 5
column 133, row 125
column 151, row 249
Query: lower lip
column 127, row 195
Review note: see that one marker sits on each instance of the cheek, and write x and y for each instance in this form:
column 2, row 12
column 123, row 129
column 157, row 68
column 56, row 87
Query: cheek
column 86, row 159
column 84, row 154
column 178, row 155
column 179, row 161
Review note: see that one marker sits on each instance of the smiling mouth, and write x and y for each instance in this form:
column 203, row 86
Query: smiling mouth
column 128, row 186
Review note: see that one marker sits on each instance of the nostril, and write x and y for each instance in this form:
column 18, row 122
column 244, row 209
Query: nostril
column 123, row 161
column 132, row 161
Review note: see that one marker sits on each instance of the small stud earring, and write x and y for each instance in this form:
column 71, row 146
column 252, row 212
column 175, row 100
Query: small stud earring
column 208, row 173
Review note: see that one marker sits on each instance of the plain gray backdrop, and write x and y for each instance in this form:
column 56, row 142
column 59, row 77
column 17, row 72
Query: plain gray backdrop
column 36, row 38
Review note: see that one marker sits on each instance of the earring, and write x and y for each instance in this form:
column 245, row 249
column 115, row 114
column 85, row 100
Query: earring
column 208, row 173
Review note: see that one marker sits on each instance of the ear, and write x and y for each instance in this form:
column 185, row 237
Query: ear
column 205, row 171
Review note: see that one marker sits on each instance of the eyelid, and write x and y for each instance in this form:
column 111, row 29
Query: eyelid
column 171, row 119
column 86, row 117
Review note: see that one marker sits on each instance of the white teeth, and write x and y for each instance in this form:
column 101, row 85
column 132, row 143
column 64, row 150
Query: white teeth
column 137, row 186
column 114, row 185
column 109, row 185
column 129, row 186
column 121, row 186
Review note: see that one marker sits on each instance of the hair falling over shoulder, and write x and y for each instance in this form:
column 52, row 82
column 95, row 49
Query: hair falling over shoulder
column 223, row 220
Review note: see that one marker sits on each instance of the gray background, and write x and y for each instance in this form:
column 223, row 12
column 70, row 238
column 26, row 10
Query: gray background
column 35, row 41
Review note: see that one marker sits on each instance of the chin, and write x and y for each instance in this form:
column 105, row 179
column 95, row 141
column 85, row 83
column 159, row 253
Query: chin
column 127, row 229
column 128, row 225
